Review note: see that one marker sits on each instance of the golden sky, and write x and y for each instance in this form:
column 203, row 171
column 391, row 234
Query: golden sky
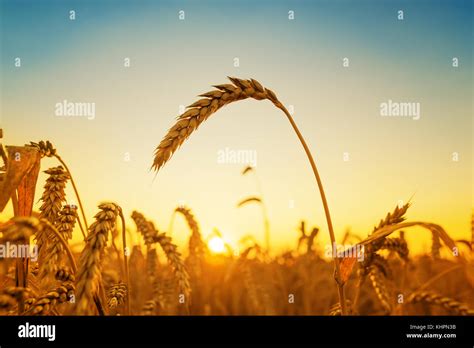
column 390, row 159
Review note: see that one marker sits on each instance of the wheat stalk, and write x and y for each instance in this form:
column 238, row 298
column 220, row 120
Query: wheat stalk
column 266, row 222
column 225, row 94
column 310, row 240
column 264, row 215
column 125, row 259
column 435, row 246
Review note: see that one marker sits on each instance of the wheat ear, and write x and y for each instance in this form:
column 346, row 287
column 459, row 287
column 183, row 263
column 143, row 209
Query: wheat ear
column 378, row 283
column 397, row 245
column 335, row 310
column 88, row 275
column 147, row 228
column 370, row 251
column 448, row 303
column 53, row 198
column 197, row 248
column 46, row 303
column 116, row 295
column 64, row 224
column 225, row 94
column 46, row 149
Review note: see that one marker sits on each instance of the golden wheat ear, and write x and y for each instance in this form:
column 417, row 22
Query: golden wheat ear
column 225, row 94
column 200, row 111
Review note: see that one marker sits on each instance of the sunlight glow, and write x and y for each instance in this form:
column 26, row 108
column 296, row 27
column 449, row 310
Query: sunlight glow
column 217, row 245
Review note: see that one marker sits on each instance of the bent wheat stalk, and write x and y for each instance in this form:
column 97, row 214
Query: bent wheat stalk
column 125, row 260
column 225, row 94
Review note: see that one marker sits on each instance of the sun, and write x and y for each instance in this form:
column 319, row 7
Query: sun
column 216, row 244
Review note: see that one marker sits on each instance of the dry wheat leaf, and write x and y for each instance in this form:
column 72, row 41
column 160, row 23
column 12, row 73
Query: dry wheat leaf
column 16, row 170
column 26, row 190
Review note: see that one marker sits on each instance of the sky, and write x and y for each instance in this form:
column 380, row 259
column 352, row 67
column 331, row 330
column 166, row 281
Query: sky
column 368, row 163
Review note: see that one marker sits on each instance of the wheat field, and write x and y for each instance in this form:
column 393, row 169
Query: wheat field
column 107, row 274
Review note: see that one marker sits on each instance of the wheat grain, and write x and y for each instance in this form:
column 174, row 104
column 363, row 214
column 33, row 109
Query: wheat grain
column 64, row 275
column 116, row 295
column 46, row 303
